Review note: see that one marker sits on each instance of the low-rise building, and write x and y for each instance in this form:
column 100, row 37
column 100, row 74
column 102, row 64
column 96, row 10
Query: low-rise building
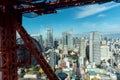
column 99, row 74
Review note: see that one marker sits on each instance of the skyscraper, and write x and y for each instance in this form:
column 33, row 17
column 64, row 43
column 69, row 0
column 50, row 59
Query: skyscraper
column 49, row 38
column 76, row 41
column 39, row 39
column 94, row 47
column 83, row 45
column 64, row 38
column 68, row 39
column 56, row 44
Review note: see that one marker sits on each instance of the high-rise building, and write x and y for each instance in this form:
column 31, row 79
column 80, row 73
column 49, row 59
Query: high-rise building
column 49, row 37
column 76, row 41
column 52, row 59
column 65, row 50
column 56, row 44
column 68, row 39
column 64, row 38
column 94, row 47
column 83, row 45
column 39, row 40
column 104, row 50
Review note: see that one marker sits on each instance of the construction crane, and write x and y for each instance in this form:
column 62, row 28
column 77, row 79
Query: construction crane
column 11, row 21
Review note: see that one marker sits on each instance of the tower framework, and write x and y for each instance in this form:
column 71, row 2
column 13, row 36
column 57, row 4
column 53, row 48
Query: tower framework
column 11, row 21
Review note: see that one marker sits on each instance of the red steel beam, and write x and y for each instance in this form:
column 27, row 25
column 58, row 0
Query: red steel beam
column 8, row 45
column 8, row 2
column 42, row 7
column 36, row 53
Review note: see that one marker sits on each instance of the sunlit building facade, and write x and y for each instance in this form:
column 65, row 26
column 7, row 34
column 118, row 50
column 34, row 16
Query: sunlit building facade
column 49, row 37
column 94, row 47
column 83, row 45
column 68, row 39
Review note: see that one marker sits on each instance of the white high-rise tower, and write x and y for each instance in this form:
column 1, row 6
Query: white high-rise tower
column 94, row 47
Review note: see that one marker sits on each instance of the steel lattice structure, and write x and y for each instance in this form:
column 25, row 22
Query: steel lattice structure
column 11, row 21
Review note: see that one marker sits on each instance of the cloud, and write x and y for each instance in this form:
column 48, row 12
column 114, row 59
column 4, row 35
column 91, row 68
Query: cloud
column 89, row 24
column 111, row 27
column 89, row 10
column 101, row 15
column 103, row 26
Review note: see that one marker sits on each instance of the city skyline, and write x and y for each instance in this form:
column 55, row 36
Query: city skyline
column 104, row 18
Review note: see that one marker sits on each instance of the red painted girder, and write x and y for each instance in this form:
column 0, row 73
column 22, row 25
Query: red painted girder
column 43, row 7
column 36, row 53
column 8, row 2
column 8, row 46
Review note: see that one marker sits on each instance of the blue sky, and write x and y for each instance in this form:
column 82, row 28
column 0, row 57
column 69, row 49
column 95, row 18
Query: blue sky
column 103, row 18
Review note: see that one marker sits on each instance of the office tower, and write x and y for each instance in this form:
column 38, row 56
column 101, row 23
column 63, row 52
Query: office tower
column 68, row 39
column 49, row 37
column 39, row 40
column 60, row 44
column 105, row 52
column 65, row 50
column 83, row 45
column 64, row 38
column 52, row 61
column 76, row 41
column 56, row 44
column 94, row 47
